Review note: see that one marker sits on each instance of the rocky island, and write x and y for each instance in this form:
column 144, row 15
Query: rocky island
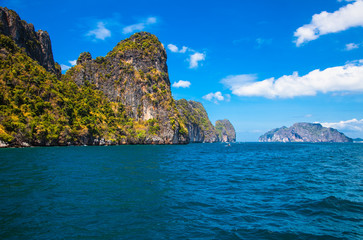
column 304, row 132
column 121, row 98
column 225, row 131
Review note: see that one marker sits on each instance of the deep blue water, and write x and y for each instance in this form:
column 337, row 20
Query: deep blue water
column 196, row 191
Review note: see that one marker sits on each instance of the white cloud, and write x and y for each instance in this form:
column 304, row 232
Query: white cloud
column 350, row 125
column 101, row 32
column 139, row 26
column 65, row 67
column 181, row 84
column 183, row 50
column 214, row 97
column 347, row 78
column 73, row 62
column 195, row 59
column 323, row 23
column 351, row 46
column 262, row 42
column 151, row 20
column 175, row 49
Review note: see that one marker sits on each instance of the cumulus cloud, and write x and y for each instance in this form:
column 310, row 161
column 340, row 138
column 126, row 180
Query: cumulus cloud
column 347, row 78
column 349, row 125
column 73, row 62
column 139, row 26
column 175, row 49
column 351, row 46
column 183, row 50
column 195, row 59
column 101, row 32
column 181, row 84
column 214, row 97
column 65, row 67
column 325, row 23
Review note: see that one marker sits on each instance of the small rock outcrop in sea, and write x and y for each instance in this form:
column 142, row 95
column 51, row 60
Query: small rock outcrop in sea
column 225, row 131
column 37, row 45
column 196, row 119
column 304, row 132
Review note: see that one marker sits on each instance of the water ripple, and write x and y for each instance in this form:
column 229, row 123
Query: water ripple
column 197, row 191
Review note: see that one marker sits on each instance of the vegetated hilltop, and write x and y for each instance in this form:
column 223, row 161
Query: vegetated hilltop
column 134, row 76
column 304, row 132
column 122, row 98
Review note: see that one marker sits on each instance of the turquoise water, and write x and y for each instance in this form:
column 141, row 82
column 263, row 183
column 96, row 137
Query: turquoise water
column 196, row 191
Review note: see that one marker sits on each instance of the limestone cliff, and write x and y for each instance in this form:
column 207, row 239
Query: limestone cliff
column 37, row 45
column 135, row 74
column 225, row 131
column 304, row 132
column 200, row 129
column 122, row 98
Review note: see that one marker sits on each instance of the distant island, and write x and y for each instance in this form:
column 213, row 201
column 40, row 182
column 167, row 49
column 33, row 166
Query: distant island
column 121, row 98
column 304, row 132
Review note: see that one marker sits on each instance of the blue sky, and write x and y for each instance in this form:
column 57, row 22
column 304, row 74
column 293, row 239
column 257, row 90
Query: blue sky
column 261, row 64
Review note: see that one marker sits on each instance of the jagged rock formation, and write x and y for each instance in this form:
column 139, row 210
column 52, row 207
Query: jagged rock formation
column 38, row 109
column 200, row 129
column 122, row 98
column 36, row 44
column 135, row 74
column 225, row 131
column 304, row 132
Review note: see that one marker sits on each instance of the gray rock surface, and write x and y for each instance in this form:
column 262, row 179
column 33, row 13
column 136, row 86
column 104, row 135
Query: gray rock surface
column 196, row 119
column 135, row 74
column 37, row 45
column 3, row 144
column 225, row 131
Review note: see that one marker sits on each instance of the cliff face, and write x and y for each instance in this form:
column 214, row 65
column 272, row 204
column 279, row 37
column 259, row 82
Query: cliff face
column 200, row 129
column 37, row 45
column 225, row 131
column 122, row 98
column 37, row 109
column 304, row 132
column 135, row 74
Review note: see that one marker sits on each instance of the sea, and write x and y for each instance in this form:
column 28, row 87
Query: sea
column 195, row 191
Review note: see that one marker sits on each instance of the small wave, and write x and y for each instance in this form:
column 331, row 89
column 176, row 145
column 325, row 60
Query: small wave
column 334, row 203
column 271, row 235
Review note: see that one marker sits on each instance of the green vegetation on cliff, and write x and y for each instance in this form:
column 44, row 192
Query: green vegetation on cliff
column 196, row 119
column 38, row 109
column 135, row 74
column 122, row 98
column 225, row 131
